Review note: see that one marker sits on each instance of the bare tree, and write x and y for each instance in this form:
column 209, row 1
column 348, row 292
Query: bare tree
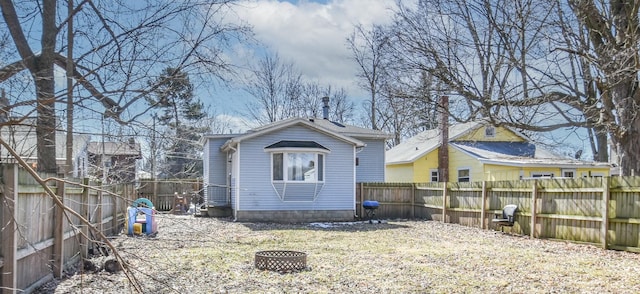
column 397, row 101
column 406, row 109
column 281, row 92
column 613, row 33
column 311, row 105
column 276, row 86
column 368, row 51
column 497, row 60
column 117, row 46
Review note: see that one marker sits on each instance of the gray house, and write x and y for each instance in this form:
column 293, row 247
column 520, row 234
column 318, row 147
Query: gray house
column 295, row 170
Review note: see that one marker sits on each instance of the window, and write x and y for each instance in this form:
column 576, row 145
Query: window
column 463, row 175
column 298, row 167
column 542, row 175
column 277, row 172
column 569, row 173
column 434, row 175
column 489, row 132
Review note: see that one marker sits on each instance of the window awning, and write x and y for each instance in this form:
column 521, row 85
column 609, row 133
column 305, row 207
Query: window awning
column 296, row 144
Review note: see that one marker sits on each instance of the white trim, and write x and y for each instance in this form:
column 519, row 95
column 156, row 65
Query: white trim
column 285, row 176
column 235, row 174
column 285, row 124
column 431, row 175
column 458, row 174
column 354, row 181
column 571, row 170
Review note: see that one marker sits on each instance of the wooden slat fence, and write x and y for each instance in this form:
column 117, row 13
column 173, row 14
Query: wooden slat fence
column 599, row 211
column 37, row 240
column 162, row 192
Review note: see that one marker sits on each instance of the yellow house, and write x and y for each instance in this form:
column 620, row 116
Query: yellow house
column 478, row 151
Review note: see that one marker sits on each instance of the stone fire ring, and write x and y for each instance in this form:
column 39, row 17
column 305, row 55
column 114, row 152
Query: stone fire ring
column 281, row 260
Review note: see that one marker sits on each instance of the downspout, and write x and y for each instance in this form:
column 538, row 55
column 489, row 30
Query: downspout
column 229, row 175
column 443, row 152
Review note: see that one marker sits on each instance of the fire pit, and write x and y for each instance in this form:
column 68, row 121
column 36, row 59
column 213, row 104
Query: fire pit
column 281, row 260
column 370, row 207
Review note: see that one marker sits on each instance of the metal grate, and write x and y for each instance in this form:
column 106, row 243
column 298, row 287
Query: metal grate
column 281, row 260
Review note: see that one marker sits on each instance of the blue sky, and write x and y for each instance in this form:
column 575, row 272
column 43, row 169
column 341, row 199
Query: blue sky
column 310, row 34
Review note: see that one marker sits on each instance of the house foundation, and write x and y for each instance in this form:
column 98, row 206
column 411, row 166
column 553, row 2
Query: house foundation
column 295, row 216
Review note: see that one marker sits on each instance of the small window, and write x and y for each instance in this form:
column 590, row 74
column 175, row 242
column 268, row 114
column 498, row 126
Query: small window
column 277, row 167
column 489, row 132
column 463, row 176
column 434, row 175
column 542, row 175
column 569, row 173
column 320, row 167
column 597, row 175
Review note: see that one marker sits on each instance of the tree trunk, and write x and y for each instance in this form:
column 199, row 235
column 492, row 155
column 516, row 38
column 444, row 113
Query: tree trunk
column 628, row 134
column 45, row 89
column 46, row 122
column 602, row 141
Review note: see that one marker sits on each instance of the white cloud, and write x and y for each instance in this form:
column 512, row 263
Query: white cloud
column 313, row 35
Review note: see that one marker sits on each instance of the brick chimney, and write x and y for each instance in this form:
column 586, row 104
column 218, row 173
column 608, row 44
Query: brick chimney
column 443, row 152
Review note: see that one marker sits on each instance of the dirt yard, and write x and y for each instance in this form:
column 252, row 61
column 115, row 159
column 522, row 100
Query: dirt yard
column 206, row 255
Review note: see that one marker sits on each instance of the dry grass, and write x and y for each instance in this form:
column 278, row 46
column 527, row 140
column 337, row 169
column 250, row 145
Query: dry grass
column 206, row 255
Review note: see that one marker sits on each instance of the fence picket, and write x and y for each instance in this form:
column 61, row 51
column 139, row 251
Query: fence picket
column 604, row 212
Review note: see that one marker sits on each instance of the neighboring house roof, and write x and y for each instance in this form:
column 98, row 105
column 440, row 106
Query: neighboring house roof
column 22, row 138
column 345, row 133
column 425, row 142
column 485, row 148
column 115, row 148
column 492, row 152
column 518, row 154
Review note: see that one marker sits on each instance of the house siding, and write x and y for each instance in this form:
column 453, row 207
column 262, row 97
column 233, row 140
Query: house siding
column 422, row 166
column 399, row 173
column 502, row 172
column 371, row 161
column 255, row 188
column 459, row 160
column 215, row 172
column 502, row 135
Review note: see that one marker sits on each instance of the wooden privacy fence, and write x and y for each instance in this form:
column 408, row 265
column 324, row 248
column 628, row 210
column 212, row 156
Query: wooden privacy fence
column 162, row 192
column 37, row 240
column 599, row 211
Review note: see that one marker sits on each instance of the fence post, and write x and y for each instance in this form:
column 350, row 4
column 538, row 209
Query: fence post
column 9, row 228
column 413, row 201
column 605, row 212
column 114, row 218
column 99, row 210
column 359, row 208
column 534, row 208
column 483, row 205
column 58, row 232
column 444, row 202
column 84, row 211
column 154, row 198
